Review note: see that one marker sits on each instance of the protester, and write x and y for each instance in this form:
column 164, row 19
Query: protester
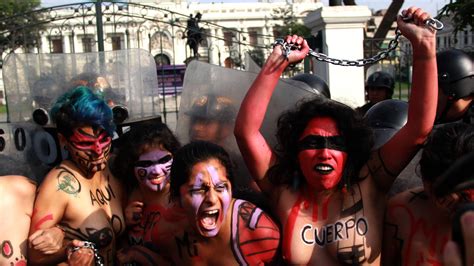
column 451, row 253
column 221, row 230
column 17, row 198
column 143, row 164
column 328, row 194
column 80, row 195
column 418, row 223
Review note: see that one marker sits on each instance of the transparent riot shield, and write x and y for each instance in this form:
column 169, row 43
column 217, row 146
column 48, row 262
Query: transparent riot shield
column 126, row 77
column 212, row 96
column 28, row 142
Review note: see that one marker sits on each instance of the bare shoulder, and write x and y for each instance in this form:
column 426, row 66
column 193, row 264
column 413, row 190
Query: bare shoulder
column 410, row 196
column 21, row 186
column 60, row 182
column 255, row 234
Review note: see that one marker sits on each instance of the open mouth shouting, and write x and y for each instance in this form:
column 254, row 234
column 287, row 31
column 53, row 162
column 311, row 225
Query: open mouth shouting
column 208, row 220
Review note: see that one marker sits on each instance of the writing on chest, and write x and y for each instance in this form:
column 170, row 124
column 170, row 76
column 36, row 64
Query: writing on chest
column 333, row 232
column 102, row 196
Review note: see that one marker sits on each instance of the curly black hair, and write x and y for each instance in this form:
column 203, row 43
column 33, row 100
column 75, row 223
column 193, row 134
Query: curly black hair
column 443, row 147
column 357, row 135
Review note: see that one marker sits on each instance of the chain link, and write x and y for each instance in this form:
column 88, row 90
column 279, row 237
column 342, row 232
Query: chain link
column 90, row 245
column 432, row 23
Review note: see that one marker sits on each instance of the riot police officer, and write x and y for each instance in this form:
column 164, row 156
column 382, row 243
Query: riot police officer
column 456, row 86
column 379, row 87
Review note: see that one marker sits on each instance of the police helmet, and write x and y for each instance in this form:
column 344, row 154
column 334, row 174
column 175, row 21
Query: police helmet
column 455, row 73
column 213, row 107
column 386, row 118
column 381, row 79
column 317, row 84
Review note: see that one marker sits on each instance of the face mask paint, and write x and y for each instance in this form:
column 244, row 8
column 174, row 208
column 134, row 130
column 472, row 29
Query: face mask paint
column 153, row 169
column 318, row 142
column 89, row 148
column 207, row 193
column 322, row 155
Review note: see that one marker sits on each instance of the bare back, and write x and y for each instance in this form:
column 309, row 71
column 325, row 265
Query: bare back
column 16, row 205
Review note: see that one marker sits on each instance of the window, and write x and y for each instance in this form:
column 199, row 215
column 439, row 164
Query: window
column 253, row 37
column 228, row 38
column 162, row 59
column 116, row 43
column 87, row 44
column 57, row 45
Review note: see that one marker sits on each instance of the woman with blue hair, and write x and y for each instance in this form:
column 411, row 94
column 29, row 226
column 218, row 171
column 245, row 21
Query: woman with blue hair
column 80, row 195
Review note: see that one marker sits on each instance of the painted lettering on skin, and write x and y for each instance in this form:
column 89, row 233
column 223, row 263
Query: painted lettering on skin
column 419, row 227
column 188, row 244
column 295, row 210
column 335, row 232
column 101, row 197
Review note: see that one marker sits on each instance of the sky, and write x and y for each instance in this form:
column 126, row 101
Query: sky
column 431, row 6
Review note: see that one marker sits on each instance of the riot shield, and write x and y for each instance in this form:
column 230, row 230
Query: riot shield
column 215, row 93
column 126, row 78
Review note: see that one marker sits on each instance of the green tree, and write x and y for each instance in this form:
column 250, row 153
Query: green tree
column 290, row 24
column 19, row 24
column 461, row 12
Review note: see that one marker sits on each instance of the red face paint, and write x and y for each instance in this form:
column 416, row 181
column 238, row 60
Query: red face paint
column 323, row 166
column 89, row 148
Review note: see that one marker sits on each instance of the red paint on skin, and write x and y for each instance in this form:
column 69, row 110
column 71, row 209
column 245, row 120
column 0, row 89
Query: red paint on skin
column 21, row 263
column 290, row 226
column 325, row 208
column 309, row 158
column 43, row 220
column 315, row 208
column 96, row 143
column 7, row 249
column 421, row 226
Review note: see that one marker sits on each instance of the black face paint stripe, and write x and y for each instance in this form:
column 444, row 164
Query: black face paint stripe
column 313, row 142
column 148, row 163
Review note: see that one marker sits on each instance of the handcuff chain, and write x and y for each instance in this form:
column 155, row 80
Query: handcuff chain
column 91, row 245
column 432, row 23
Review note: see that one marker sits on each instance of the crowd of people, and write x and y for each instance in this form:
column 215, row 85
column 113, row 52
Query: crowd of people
column 149, row 200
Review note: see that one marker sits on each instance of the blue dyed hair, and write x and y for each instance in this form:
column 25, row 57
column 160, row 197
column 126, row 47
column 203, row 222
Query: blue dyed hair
column 81, row 107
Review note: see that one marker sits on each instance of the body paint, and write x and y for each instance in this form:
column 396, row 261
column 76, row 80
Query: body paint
column 153, row 169
column 89, row 148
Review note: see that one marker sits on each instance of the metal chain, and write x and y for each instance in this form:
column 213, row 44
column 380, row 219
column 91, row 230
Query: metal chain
column 431, row 23
column 90, row 245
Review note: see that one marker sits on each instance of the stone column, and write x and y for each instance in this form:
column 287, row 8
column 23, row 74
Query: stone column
column 342, row 29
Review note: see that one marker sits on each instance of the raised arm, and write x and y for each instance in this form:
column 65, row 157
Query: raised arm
column 398, row 152
column 256, row 152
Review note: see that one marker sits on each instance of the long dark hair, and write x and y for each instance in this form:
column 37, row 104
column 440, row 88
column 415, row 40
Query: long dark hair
column 443, row 147
column 291, row 124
